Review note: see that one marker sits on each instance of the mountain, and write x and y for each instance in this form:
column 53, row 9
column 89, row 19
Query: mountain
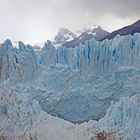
column 131, row 29
column 63, row 36
column 79, row 40
column 68, row 39
column 96, row 33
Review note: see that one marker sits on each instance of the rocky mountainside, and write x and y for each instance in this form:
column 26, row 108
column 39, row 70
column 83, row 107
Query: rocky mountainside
column 131, row 29
column 63, row 36
column 68, row 39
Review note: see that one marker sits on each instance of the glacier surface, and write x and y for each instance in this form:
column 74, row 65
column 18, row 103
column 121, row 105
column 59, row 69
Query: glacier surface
column 98, row 81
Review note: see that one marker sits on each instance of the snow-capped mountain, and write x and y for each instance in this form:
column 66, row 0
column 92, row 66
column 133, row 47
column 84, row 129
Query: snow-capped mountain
column 87, row 29
column 131, row 29
column 79, row 40
column 99, row 33
column 96, row 31
column 63, row 36
column 86, row 34
column 69, row 39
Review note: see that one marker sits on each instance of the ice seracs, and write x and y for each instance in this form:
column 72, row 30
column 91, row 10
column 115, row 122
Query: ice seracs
column 22, row 119
column 98, row 81
column 98, row 57
column 18, row 64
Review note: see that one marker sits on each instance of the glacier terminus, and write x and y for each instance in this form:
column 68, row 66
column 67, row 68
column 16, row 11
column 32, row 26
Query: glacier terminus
column 71, row 93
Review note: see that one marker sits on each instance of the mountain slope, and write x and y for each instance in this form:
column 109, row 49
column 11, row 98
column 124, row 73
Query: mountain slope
column 63, row 36
column 131, row 29
column 70, row 39
column 79, row 40
column 96, row 33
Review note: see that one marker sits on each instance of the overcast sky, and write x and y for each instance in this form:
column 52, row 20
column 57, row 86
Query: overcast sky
column 39, row 20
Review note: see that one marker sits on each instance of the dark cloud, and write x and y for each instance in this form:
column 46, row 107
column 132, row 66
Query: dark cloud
column 37, row 20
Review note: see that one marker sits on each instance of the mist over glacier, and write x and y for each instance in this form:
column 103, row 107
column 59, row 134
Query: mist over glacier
column 97, row 81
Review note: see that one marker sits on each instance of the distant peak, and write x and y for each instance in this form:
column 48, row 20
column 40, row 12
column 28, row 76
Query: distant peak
column 63, row 35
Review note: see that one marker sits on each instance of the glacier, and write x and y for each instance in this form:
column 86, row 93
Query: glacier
column 92, row 87
column 17, row 64
column 96, row 57
column 96, row 74
column 26, row 120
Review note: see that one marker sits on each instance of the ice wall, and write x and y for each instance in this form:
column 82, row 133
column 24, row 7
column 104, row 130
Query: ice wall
column 65, row 85
column 22, row 119
column 98, row 57
column 17, row 64
column 123, row 117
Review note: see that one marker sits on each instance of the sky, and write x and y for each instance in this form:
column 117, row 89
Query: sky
column 39, row 20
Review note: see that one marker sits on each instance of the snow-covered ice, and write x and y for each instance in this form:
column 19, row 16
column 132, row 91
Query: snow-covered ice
column 54, row 95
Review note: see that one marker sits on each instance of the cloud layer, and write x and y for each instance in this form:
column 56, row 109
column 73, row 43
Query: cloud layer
column 39, row 20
